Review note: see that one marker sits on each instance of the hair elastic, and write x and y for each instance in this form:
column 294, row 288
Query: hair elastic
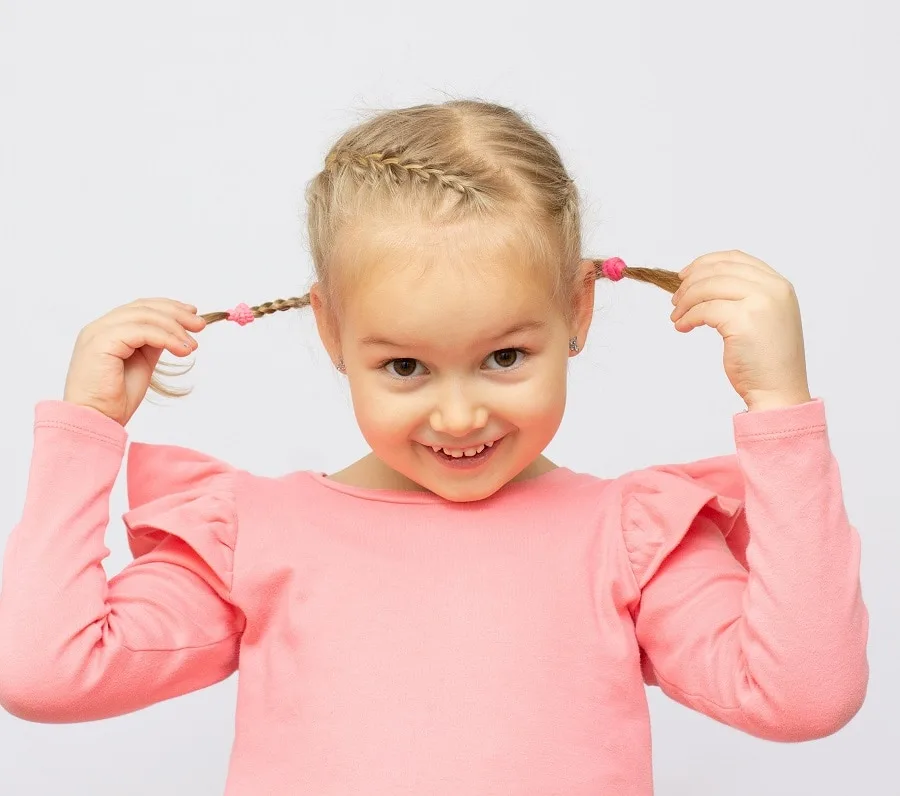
column 613, row 268
column 241, row 314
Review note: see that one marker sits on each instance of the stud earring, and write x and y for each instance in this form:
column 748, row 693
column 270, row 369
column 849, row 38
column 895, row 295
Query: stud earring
column 340, row 366
column 573, row 345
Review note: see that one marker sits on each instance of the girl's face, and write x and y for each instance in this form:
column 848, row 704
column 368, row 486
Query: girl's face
column 454, row 348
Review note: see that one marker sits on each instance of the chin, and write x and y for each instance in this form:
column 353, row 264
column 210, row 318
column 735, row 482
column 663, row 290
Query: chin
column 466, row 489
column 466, row 493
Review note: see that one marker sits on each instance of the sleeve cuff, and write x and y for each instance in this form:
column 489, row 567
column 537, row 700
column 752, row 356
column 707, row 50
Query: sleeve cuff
column 80, row 420
column 788, row 421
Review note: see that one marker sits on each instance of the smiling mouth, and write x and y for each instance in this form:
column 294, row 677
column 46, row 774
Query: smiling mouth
column 464, row 458
column 459, row 453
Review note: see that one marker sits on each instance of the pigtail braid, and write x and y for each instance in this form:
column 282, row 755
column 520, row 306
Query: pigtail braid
column 266, row 308
column 175, row 369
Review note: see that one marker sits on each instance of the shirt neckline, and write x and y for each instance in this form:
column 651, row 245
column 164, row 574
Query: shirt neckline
column 412, row 496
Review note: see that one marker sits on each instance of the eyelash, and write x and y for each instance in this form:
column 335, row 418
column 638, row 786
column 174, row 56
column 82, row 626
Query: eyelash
column 523, row 354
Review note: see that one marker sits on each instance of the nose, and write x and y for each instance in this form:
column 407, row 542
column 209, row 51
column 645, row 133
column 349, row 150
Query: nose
column 457, row 415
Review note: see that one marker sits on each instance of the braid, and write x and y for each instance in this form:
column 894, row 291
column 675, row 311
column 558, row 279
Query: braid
column 266, row 308
column 178, row 369
column 391, row 166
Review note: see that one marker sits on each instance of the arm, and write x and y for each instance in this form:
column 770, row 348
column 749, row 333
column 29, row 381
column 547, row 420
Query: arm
column 778, row 651
column 74, row 646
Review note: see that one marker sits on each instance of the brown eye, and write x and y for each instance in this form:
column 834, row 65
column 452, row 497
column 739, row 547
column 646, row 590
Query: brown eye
column 402, row 367
column 506, row 357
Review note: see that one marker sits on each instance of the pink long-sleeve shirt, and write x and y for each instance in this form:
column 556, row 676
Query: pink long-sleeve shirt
column 394, row 643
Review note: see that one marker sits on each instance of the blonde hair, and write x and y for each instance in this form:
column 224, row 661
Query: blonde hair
column 448, row 162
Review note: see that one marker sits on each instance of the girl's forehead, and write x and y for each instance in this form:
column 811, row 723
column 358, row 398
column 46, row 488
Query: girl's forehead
column 454, row 320
column 450, row 315
column 447, row 263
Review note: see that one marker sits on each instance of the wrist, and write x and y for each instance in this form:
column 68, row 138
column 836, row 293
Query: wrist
column 760, row 402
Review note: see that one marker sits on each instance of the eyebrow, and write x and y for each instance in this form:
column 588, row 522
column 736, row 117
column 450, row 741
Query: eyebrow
column 527, row 326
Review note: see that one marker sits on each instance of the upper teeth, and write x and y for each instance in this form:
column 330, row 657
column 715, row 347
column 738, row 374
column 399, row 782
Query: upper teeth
column 458, row 453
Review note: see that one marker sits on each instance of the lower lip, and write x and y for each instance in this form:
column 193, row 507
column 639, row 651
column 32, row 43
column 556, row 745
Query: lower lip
column 465, row 462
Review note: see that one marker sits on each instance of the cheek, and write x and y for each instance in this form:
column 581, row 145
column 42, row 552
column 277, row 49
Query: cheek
column 539, row 401
column 544, row 412
column 380, row 415
column 549, row 385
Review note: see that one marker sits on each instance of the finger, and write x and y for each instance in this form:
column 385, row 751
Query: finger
column 135, row 335
column 714, row 314
column 138, row 314
column 185, row 313
column 723, row 268
column 732, row 288
column 171, row 317
column 733, row 255
column 747, row 270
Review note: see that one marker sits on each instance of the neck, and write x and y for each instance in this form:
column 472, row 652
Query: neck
column 370, row 472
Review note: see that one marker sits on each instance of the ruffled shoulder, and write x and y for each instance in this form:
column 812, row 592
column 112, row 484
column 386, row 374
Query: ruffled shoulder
column 174, row 491
column 659, row 505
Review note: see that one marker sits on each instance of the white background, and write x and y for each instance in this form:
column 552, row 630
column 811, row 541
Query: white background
column 162, row 149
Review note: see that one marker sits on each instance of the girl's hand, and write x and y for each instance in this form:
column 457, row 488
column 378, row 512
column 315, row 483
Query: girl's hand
column 756, row 311
column 115, row 355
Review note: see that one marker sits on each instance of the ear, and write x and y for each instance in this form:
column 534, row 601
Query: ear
column 325, row 322
column 583, row 309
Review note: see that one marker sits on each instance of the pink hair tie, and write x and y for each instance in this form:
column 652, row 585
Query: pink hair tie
column 613, row 268
column 241, row 314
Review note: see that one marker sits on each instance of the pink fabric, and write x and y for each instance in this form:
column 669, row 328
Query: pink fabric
column 242, row 314
column 392, row 643
column 613, row 268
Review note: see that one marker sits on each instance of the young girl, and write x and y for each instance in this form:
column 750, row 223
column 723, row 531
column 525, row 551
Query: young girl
column 454, row 613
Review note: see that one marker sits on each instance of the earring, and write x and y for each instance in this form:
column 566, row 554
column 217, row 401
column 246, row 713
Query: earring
column 573, row 345
column 340, row 366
